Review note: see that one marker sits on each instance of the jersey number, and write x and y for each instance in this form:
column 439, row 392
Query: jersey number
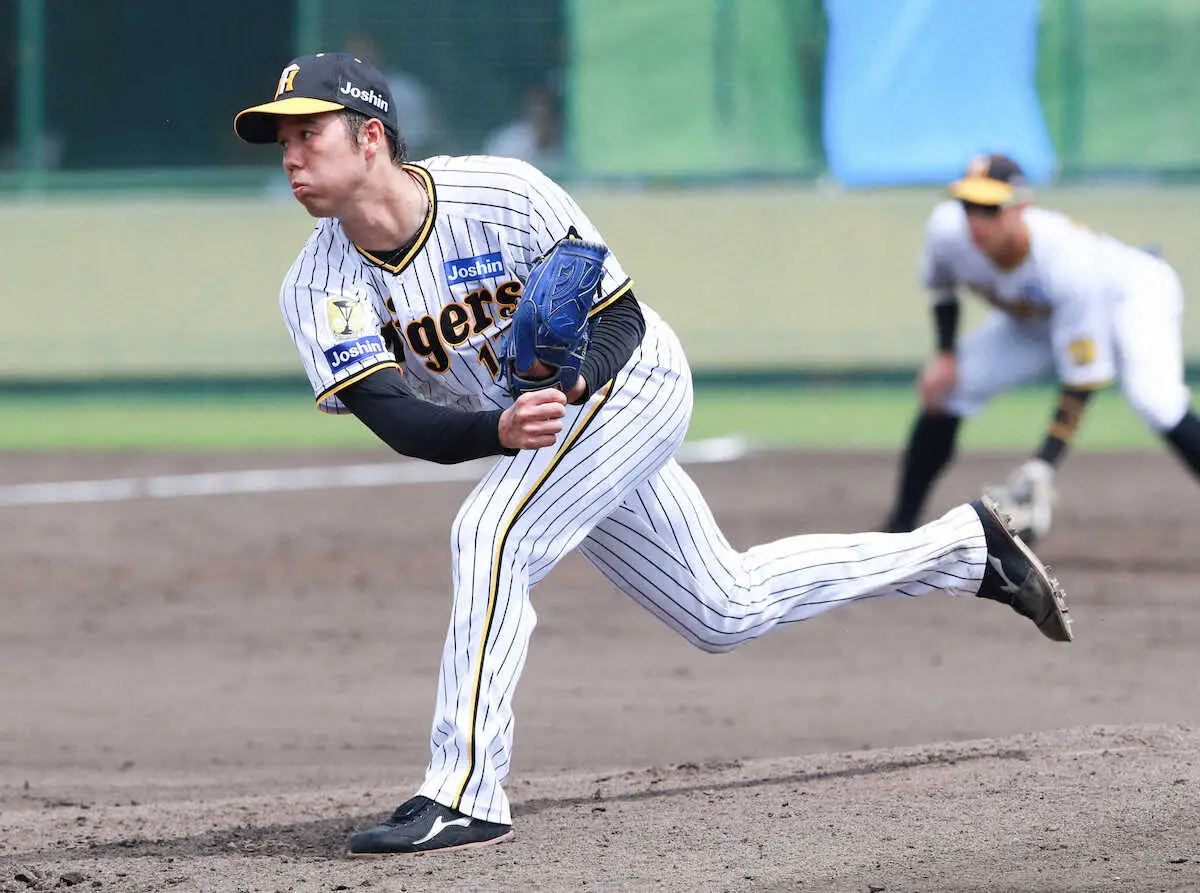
column 488, row 357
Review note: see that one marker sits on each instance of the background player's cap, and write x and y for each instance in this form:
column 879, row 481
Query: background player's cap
column 992, row 180
column 324, row 82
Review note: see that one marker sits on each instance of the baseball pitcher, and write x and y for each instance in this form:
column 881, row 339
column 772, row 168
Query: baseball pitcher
column 467, row 307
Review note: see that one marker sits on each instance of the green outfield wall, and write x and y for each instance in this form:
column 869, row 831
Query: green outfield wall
column 776, row 277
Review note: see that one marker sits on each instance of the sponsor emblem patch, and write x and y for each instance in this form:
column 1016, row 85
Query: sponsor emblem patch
column 1083, row 351
column 347, row 316
column 348, row 353
column 472, row 269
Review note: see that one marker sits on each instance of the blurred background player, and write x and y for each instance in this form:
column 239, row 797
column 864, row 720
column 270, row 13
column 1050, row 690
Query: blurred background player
column 535, row 136
column 416, row 108
column 1070, row 303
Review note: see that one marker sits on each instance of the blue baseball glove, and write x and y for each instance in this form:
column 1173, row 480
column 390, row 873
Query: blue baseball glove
column 551, row 320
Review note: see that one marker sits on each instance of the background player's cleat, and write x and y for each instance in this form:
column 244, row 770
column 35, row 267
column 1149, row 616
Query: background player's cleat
column 1016, row 577
column 421, row 825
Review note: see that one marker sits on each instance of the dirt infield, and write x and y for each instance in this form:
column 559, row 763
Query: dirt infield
column 210, row 693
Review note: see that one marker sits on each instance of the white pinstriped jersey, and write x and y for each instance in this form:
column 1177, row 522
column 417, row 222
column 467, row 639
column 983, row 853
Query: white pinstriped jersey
column 1072, row 275
column 447, row 299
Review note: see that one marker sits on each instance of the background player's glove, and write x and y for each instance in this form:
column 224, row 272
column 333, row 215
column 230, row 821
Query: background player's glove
column 1028, row 497
column 550, row 323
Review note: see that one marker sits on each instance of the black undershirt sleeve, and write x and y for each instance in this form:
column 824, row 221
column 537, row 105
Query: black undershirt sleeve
column 616, row 332
column 945, row 320
column 414, row 427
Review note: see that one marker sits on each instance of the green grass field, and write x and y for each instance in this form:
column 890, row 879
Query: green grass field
column 812, row 418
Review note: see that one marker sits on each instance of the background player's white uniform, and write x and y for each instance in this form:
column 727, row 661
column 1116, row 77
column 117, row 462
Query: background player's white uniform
column 1081, row 306
column 609, row 486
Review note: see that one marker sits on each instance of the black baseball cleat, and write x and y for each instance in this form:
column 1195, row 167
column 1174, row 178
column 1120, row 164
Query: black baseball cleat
column 1016, row 577
column 421, row 825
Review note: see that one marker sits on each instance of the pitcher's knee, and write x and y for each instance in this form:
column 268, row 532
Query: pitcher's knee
column 472, row 527
column 720, row 635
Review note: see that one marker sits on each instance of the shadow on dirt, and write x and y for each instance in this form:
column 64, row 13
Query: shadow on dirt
column 326, row 838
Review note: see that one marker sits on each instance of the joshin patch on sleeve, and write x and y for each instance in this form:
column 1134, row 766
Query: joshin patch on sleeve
column 352, row 329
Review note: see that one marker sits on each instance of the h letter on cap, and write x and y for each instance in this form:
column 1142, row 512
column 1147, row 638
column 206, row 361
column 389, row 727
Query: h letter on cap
column 977, row 168
column 285, row 80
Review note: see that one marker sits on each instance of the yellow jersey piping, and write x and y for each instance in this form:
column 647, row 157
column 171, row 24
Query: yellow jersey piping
column 495, row 585
column 426, row 226
column 346, row 382
column 620, row 291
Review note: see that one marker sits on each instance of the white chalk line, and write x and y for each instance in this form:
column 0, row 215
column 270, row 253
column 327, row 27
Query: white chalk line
column 280, row 480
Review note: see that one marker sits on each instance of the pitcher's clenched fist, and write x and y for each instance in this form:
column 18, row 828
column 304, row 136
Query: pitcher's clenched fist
column 534, row 420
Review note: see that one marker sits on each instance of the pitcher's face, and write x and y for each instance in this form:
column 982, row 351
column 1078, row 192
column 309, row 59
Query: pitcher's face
column 321, row 161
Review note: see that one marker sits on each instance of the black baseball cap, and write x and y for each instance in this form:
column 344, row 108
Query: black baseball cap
column 324, row 82
column 994, row 180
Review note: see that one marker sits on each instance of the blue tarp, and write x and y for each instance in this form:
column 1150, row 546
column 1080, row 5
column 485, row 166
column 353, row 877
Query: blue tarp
column 914, row 88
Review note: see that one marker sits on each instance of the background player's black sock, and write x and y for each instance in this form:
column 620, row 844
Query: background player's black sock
column 930, row 448
column 1184, row 439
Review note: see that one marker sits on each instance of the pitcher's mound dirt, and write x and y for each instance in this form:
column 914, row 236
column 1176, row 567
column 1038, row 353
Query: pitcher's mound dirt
column 211, row 693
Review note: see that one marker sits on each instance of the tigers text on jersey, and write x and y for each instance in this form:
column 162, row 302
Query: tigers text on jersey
column 1073, row 276
column 442, row 306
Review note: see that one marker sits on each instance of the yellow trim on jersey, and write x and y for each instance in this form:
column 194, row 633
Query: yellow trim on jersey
column 346, row 382
column 621, row 291
column 495, row 584
column 426, row 227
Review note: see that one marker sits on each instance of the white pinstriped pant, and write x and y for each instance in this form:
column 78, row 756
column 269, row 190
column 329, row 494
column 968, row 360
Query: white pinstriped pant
column 611, row 487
